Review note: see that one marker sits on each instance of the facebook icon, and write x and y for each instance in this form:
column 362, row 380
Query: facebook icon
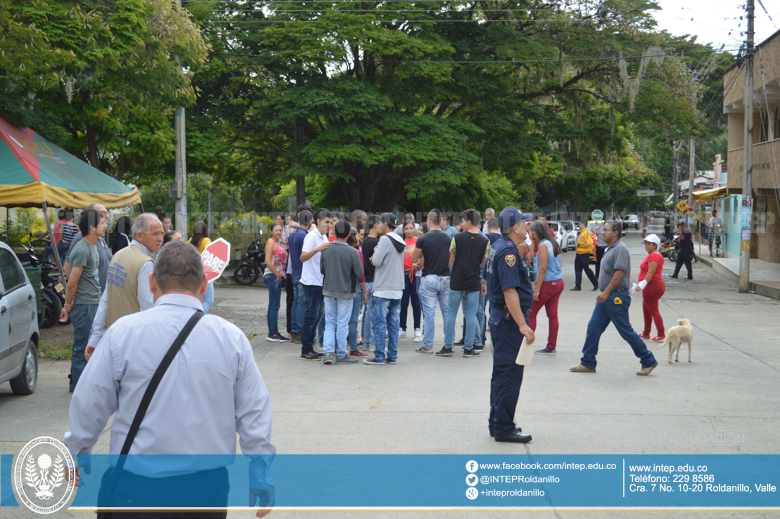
column 472, row 466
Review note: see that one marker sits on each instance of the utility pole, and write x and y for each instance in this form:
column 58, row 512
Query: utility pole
column 181, row 168
column 747, row 161
column 300, row 181
column 676, row 181
column 691, row 168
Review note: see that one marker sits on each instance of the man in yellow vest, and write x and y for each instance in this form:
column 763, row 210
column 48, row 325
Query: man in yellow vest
column 127, row 289
column 582, row 260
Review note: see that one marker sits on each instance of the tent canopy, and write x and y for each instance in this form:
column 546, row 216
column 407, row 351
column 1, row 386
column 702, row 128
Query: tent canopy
column 33, row 171
column 708, row 194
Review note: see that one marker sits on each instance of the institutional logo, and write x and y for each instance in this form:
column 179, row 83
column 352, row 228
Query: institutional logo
column 42, row 473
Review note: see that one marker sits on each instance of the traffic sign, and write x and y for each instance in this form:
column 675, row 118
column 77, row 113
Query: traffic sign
column 682, row 205
column 597, row 215
column 215, row 258
column 645, row 192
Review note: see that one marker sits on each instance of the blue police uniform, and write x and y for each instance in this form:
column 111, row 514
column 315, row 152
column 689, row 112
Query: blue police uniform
column 505, row 268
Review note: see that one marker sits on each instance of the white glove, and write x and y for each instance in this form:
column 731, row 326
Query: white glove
column 642, row 284
column 633, row 288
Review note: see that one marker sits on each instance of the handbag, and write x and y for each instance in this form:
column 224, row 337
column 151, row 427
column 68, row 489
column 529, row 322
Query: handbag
column 111, row 476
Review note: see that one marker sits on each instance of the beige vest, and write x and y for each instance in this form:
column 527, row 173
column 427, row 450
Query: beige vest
column 122, row 283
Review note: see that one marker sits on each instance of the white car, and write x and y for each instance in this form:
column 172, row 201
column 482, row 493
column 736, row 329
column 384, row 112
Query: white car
column 561, row 234
column 631, row 220
column 18, row 325
column 572, row 230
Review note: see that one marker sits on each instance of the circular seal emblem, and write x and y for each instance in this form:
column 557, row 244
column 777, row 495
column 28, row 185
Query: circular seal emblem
column 41, row 474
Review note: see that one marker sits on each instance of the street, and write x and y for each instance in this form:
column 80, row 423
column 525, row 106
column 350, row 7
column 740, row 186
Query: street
column 432, row 405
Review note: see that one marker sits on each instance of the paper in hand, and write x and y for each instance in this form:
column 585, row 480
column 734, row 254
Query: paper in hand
column 526, row 353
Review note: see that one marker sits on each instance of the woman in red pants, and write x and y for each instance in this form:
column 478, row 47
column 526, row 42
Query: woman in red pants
column 652, row 286
column 549, row 282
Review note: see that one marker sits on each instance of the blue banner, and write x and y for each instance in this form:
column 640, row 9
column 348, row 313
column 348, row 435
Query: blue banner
column 429, row 481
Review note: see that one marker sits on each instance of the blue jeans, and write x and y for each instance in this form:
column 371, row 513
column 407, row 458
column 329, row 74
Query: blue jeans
column 312, row 317
column 480, row 337
column 337, row 314
column 357, row 302
column 208, row 298
column 274, row 302
column 411, row 292
column 81, row 316
column 434, row 288
column 299, row 305
column 470, row 301
column 367, row 313
column 617, row 314
column 386, row 325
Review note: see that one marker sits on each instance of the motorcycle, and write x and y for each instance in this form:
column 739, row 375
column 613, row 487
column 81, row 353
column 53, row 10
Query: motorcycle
column 52, row 290
column 249, row 271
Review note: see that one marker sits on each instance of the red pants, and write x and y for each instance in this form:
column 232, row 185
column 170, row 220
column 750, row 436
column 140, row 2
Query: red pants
column 549, row 295
column 650, row 296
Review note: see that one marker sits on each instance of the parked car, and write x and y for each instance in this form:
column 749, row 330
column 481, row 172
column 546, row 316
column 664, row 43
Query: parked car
column 19, row 334
column 631, row 220
column 572, row 230
column 561, row 235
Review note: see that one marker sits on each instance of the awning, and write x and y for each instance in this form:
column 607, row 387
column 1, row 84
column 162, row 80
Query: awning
column 34, row 170
column 709, row 194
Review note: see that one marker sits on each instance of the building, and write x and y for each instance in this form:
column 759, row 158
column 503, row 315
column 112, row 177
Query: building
column 765, row 236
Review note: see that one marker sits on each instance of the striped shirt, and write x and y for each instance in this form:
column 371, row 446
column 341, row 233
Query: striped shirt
column 69, row 231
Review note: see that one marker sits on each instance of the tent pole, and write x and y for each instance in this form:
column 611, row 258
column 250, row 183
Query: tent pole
column 54, row 244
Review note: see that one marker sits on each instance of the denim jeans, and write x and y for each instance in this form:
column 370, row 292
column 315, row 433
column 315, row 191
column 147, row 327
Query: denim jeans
column 337, row 314
column 274, row 302
column 312, row 317
column 386, row 325
column 299, row 305
column 81, row 316
column 614, row 310
column 480, row 334
column 357, row 302
column 434, row 288
column 471, row 300
column 411, row 293
column 367, row 324
column 208, row 298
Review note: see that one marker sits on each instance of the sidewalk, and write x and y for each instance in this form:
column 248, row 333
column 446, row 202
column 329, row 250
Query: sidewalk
column 764, row 276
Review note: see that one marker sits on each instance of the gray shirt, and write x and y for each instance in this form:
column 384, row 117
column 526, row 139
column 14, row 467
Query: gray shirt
column 615, row 258
column 86, row 256
column 105, row 258
column 341, row 267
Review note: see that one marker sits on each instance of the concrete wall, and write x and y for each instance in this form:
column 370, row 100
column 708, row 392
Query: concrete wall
column 770, row 50
column 764, row 175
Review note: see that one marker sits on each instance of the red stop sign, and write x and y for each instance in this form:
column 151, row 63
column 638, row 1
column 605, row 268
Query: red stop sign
column 215, row 258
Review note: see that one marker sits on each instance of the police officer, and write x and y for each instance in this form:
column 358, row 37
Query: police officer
column 510, row 293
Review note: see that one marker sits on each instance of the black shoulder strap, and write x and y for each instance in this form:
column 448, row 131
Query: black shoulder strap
column 157, row 377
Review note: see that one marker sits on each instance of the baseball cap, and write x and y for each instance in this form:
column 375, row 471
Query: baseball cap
column 512, row 216
column 389, row 219
column 653, row 238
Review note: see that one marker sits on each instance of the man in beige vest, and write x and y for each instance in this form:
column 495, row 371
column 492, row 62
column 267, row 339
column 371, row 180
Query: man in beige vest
column 127, row 288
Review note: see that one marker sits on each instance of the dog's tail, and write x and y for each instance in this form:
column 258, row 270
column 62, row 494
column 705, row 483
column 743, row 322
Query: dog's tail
column 665, row 343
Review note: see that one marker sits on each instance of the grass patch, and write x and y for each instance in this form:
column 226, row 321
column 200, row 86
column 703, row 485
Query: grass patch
column 55, row 351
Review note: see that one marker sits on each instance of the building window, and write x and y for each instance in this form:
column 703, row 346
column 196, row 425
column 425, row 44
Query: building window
column 760, row 215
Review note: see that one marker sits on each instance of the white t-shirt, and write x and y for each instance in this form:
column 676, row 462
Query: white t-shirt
column 310, row 274
column 713, row 222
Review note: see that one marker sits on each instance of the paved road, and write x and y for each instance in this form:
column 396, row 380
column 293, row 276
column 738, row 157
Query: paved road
column 426, row 404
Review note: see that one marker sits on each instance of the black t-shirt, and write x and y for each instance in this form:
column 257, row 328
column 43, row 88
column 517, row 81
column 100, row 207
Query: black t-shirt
column 368, row 250
column 435, row 247
column 470, row 250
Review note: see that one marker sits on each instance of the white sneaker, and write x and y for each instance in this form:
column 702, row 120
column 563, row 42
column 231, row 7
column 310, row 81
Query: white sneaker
column 402, row 334
column 418, row 335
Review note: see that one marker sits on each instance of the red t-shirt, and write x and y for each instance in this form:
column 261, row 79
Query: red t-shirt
column 644, row 267
column 332, row 238
column 408, row 251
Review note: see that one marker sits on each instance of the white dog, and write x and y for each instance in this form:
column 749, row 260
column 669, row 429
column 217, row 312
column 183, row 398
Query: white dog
column 677, row 335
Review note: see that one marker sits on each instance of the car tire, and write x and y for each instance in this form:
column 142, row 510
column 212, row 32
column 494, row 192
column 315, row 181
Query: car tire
column 51, row 308
column 25, row 383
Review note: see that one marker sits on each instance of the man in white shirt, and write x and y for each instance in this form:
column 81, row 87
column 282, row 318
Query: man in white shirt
column 489, row 213
column 211, row 391
column 712, row 225
column 127, row 288
column 315, row 242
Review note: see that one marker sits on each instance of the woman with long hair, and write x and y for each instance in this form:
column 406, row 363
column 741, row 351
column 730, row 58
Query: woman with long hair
column 411, row 282
column 200, row 239
column 122, row 230
column 549, row 282
column 361, row 297
column 276, row 261
column 652, row 286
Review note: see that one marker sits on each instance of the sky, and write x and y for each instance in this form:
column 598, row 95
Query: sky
column 712, row 20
